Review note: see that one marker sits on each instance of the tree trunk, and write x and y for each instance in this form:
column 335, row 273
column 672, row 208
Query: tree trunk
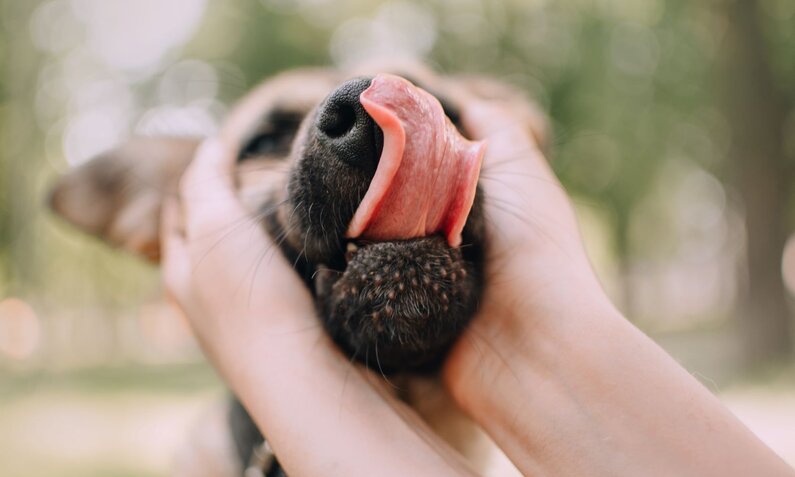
column 756, row 111
column 20, row 150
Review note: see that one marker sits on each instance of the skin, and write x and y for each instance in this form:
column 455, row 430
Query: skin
column 561, row 381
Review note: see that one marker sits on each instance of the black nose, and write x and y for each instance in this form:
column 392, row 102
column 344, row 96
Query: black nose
column 346, row 130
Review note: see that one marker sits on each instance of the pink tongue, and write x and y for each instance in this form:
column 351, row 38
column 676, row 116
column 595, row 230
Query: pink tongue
column 427, row 175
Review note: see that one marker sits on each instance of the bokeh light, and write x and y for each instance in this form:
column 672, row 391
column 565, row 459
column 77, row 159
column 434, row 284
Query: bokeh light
column 788, row 265
column 645, row 139
column 20, row 329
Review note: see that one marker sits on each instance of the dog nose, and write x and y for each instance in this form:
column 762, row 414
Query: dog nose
column 346, row 130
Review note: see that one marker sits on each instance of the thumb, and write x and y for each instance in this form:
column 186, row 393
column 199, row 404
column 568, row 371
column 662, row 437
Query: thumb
column 509, row 136
column 207, row 190
column 175, row 258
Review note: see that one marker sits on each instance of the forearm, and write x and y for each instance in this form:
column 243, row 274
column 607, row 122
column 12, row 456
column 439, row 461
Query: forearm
column 319, row 400
column 583, row 392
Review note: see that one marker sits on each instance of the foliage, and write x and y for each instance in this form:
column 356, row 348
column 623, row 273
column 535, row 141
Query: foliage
column 633, row 90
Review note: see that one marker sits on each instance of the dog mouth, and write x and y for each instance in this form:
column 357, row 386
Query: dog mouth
column 381, row 195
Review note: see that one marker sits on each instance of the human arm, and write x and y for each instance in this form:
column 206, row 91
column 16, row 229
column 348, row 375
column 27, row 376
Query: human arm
column 555, row 374
column 255, row 321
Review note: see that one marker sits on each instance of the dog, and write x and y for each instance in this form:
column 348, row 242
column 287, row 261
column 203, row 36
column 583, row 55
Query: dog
column 392, row 295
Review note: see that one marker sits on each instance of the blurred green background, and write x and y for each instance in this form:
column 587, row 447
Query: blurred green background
column 674, row 128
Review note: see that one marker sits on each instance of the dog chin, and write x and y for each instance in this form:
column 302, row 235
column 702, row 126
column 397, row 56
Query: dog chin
column 398, row 305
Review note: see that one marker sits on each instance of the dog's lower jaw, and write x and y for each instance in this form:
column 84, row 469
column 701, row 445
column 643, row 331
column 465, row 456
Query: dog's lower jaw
column 398, row 305
column 394, row 306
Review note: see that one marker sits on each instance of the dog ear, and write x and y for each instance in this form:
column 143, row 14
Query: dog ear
column 118, row 195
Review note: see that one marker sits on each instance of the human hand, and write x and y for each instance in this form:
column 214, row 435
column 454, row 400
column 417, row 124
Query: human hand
column 255, row 320
column 222, row 269
column 537, row 271
column 562, row 382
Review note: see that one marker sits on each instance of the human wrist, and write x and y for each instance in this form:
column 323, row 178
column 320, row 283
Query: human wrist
column 528, row 333
column 244, row 343
column 304, row 394
column 522, row 383
column 587, row 393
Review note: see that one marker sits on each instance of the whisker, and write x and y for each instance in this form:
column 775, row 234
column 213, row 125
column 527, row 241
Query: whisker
column 474, row 329
column 250, row 219
column 314, row 274
column 281, row 166
column 381, row 370
column 486, row 176
column 306, row 237
column 351, row 367
column 233, row 226
column 525, row 218
column 274, row 247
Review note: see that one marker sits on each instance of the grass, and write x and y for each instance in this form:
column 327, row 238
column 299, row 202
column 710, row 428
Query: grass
column 120, row 421
column 108, row 421
column 175, row 379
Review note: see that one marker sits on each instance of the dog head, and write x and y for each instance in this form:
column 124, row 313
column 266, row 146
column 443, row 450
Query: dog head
column 309, row 152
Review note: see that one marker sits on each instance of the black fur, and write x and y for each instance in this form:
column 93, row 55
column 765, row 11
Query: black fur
column 395, row 306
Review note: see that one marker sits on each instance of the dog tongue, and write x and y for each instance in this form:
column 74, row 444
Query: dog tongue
column 427, row 174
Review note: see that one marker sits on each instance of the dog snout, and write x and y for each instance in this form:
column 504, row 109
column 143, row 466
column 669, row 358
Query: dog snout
column 345, row 130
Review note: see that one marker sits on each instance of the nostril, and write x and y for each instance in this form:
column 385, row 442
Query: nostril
column 345, row 131
column 337, row 120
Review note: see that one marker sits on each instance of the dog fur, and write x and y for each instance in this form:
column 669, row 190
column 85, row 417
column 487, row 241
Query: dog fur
column 118, row 197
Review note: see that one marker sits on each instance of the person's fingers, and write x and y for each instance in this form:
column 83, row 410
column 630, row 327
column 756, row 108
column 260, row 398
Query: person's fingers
column 508, row 134
column 522, row 196
column 211, row 167
column 484, row 118
column 512, row 160
column 175, row 258
column 207, row 190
